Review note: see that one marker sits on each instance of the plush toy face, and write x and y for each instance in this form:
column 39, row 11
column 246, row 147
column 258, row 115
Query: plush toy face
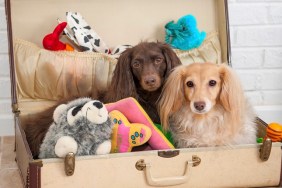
column 94, row 111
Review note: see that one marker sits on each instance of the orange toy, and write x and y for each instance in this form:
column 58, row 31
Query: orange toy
column 274, row 132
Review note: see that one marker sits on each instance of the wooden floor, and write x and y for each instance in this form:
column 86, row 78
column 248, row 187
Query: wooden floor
column 9, row 172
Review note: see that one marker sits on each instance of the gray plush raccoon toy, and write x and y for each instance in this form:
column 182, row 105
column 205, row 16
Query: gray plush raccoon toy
column 82, row 126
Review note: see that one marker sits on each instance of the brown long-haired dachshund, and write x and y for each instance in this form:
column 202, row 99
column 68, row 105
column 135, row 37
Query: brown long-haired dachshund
column 140, row 73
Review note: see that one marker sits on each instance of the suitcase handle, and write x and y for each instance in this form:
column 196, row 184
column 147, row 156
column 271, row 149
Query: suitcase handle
column 167, row 181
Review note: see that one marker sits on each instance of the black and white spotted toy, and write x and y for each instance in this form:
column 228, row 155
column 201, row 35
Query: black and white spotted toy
column 80, row 32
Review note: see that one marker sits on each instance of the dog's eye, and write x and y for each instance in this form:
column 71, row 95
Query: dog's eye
column 190, row 84
column 212, row 83
column 158, row 60
column 136, row 64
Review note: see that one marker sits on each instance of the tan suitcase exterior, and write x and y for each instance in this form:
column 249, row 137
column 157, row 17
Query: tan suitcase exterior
column 29, row 21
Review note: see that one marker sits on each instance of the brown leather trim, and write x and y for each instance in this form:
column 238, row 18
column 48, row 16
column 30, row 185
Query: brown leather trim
column 261, row 127
column 23, row 135
column 261, row 122
column 11, row 52
column 228, row 33
column 23, row 154
column 34, row 175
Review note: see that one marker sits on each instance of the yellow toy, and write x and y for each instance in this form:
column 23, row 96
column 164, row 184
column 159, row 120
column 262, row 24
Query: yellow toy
column 127, row 135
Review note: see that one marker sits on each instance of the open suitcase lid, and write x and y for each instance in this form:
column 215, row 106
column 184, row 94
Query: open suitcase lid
column 32, row 20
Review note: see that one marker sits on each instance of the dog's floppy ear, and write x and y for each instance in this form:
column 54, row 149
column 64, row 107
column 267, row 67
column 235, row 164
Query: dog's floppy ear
column 232, row 94
column 122, row 83
column 172, row 96
column 171, row 58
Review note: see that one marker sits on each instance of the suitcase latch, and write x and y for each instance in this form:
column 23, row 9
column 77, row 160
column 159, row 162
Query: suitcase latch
column 69, row 164
column 265, row 149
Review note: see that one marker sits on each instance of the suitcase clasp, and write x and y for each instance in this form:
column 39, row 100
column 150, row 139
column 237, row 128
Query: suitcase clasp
column 69, row 164
column 265, row 149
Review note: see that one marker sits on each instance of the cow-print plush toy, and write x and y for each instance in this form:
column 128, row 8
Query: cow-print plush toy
column 80, row 32
column 119, row 49
column 82, row 126
column 84, row 35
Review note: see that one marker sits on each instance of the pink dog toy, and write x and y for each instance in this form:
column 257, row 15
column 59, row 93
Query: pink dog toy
column 133, row 111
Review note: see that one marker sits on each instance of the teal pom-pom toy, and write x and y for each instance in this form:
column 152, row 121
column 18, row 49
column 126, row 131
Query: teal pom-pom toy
column 184, row 34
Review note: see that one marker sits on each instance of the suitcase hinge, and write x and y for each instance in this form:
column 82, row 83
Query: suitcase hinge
column 15, row 108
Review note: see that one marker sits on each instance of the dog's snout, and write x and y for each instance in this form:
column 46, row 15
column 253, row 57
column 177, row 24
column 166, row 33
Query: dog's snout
column 200, row 105
column 150, row 81
column 98, row 105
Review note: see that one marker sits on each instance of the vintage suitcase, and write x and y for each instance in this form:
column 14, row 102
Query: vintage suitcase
column 40, row 77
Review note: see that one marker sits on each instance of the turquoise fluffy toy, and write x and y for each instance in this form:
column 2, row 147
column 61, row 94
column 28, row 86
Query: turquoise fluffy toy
column 184, row 34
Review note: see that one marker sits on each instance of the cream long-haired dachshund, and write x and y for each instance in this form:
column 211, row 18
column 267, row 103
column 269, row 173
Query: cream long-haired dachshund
column 203, row 104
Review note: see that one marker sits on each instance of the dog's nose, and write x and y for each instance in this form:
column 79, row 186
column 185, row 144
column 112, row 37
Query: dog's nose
column 150, row 81
column 199, row 105
column 98, row 105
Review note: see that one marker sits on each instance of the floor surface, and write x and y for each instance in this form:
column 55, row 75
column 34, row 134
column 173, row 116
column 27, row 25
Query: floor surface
column 9, row 172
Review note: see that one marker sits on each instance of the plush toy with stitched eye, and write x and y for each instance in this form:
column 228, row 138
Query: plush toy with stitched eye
column 82, row 126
